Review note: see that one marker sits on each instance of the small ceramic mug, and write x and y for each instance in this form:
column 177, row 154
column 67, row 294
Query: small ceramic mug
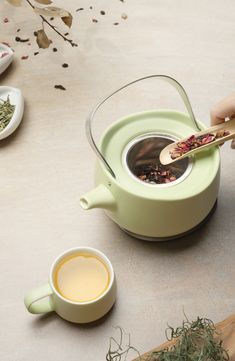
column 46, row 298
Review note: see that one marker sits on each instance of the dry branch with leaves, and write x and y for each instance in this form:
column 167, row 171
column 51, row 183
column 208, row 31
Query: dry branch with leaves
column 46, row 12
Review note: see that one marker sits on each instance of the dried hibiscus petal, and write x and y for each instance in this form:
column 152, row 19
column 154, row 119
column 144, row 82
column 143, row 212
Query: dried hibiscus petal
column 156, row 174
column 5, row 43
column 194, row 142
column 2, row 55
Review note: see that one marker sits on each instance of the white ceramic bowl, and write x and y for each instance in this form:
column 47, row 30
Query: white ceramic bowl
column 6, row 60
column 16, row 98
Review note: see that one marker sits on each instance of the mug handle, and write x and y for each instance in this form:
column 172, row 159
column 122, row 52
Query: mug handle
column 36, row 301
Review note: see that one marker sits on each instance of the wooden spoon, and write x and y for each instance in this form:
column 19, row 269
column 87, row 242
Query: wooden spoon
column 165, row 155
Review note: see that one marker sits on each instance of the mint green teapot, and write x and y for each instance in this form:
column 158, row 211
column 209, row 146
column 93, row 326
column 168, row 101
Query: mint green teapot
column 148, row 210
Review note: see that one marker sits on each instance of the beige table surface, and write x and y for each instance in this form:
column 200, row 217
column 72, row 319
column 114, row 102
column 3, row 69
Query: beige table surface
column 47, row 165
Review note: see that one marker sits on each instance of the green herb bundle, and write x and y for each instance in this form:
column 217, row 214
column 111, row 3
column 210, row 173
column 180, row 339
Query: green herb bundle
column 6, row 112
column 196, row 341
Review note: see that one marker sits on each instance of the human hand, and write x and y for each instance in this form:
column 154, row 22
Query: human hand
column 222, row 110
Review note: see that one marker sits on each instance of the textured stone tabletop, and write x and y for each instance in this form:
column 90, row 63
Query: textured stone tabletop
column 47, row 165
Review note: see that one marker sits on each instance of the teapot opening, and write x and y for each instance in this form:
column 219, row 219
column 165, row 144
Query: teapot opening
column 141, row 158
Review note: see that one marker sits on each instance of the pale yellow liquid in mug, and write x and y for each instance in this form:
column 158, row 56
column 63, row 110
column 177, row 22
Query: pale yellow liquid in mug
column 81, row 277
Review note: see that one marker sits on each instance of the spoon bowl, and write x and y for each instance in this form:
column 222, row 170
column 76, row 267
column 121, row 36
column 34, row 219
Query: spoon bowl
column 16, row 99
column 229, row 126
column 6, row 57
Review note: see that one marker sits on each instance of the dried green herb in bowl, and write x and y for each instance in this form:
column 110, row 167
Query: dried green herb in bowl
column 6, row 112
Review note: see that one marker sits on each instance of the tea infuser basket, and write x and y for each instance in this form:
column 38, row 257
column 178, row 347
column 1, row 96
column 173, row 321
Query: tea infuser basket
column 148, row 210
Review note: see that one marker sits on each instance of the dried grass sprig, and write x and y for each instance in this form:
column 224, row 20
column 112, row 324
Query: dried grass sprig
column 118, row 350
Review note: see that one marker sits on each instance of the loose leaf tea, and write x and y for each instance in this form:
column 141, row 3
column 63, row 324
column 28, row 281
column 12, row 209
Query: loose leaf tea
column 194, row 142
column 157, row 173
column 6, row 112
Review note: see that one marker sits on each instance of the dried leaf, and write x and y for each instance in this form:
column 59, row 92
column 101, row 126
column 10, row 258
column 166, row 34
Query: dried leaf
column 67, row 20
column 15, row 2
column 42, row 39
column 52, row 11
column 44, row 2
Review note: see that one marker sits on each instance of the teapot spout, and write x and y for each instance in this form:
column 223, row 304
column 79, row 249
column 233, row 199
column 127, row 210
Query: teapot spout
column 99, row 197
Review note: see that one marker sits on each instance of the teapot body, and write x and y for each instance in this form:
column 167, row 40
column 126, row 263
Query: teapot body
column 152, row 219
column 152, row 211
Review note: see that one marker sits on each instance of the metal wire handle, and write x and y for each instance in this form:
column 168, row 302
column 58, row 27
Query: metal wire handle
column 168, row 79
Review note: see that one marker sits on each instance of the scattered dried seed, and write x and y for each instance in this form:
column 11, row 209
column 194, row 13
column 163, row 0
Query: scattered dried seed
column 36, row 53
column 35, row 33
column 80, row 9
column 24, row 57
column 17, row 38
column 51, row 18
column 66, row 34
column 102, row 12
column 124, row 16
column 18, row 30
column 61, row 87
column 65, row 65
column 6, row 20
column 54, row 49
column 95, row 20
column 91, row 7
column 115, row 23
